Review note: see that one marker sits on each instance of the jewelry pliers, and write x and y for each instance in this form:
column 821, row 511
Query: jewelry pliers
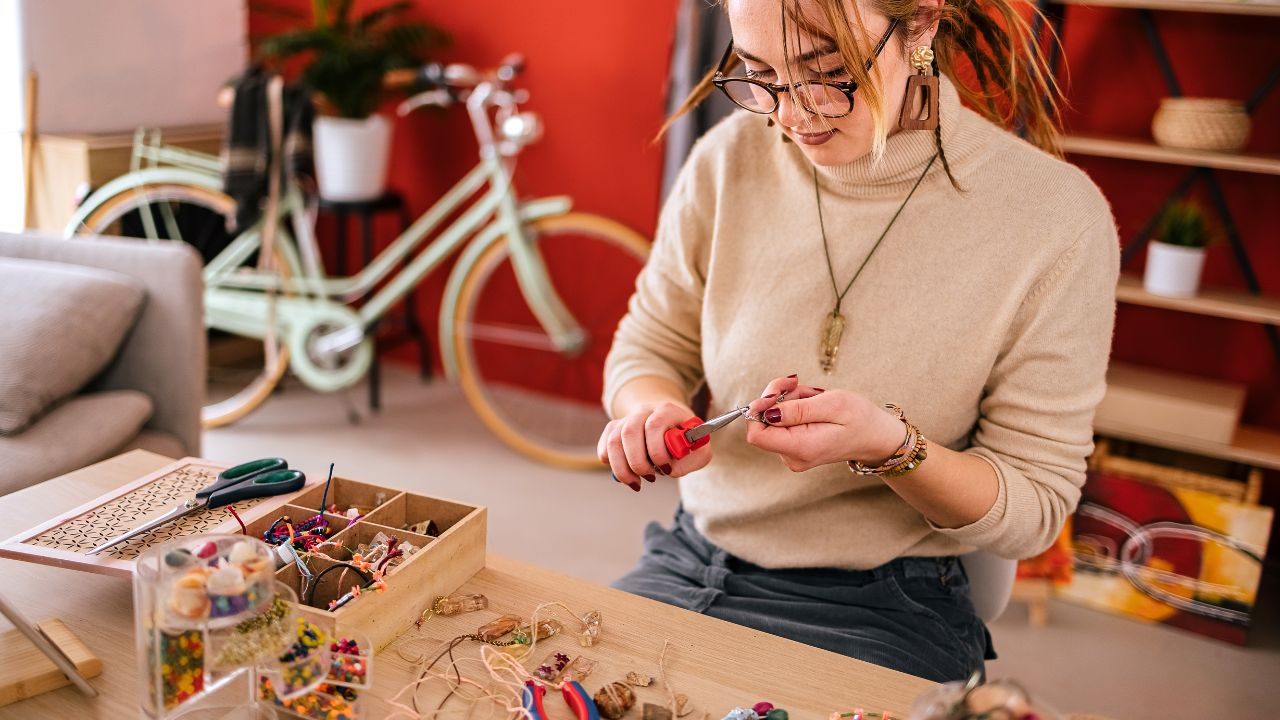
column 584, row 708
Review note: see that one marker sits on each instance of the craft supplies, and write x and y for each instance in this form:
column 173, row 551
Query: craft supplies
column 258, row 479
column 574, row 696
column 494, row 629
column 307, row 535
column 305, row 664
column 546, row 628
column 974, row 700
column 552, row 666
column 260, row 637
column 637, row 680
column 656, row 712
column 579, row 668
column 456, row 605
column 425, row 527
column 615, row 699
column 228, row 581
column 314, row 705
column 181, row 670
column 590, row 631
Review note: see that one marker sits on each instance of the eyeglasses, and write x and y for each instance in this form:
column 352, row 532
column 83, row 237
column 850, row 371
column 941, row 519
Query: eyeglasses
column 828, row 99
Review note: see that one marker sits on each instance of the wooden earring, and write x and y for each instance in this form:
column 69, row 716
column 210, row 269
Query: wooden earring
column 924, row 84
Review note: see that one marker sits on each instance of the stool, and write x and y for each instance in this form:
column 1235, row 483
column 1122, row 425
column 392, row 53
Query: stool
column 366, row 210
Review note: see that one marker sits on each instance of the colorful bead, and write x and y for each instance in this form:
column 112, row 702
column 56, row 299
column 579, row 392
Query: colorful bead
column 762, row 708
column 776, row 715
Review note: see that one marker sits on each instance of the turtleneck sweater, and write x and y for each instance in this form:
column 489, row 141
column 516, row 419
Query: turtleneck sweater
column 986, row 314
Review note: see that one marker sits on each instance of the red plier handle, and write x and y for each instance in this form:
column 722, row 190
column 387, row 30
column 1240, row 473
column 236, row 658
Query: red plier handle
column 678, row 445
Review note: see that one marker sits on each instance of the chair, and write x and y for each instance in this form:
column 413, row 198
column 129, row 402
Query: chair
column 990, row 582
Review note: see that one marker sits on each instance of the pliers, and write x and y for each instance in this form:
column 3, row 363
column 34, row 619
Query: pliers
column 574, row 695
column 693, row 433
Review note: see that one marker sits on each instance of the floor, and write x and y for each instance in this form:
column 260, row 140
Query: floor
column 426, row 438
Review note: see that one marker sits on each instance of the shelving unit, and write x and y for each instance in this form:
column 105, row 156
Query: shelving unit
column 1271, row 9
column 1255, row 446
column 1249, row 445
column 1128, row 149
column 1231, row 304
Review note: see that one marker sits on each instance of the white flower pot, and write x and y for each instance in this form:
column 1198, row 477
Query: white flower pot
column 1173, row 270
column 351, row 157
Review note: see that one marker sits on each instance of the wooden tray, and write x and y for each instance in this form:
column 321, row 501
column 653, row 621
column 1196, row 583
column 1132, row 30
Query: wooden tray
column 443, row 564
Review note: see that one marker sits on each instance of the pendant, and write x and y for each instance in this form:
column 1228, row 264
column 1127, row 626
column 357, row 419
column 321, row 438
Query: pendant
column 832, row 331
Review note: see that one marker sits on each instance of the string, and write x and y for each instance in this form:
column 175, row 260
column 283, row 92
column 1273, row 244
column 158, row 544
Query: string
column 662, row 675
column 243, row 530
column 826, row 248
column 324, row 500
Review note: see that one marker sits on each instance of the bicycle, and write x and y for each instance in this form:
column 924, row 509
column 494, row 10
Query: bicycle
column 532, row 371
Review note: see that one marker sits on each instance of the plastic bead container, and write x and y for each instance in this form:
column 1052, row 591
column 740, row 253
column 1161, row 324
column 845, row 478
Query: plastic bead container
column 207, row 610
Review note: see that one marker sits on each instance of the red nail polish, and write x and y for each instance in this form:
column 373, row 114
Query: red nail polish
column 770, row 395
column 666, row 469
column 773, row 415
column 821, row 390
column 793, row 376
column 635, row 487
column 650, row 478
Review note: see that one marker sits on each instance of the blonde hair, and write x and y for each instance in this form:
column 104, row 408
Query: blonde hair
column 992, row 39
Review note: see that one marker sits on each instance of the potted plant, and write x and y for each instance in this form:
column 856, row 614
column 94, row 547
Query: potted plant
column 346, row 59
column 1175, row 256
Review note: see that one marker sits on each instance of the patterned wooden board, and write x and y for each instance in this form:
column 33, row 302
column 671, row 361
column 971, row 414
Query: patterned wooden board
column 84, row 532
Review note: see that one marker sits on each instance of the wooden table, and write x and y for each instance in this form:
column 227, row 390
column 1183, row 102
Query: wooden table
column 717, row 664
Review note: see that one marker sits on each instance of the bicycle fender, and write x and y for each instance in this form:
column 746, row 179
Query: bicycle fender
column 134, row 179
column 529, row 211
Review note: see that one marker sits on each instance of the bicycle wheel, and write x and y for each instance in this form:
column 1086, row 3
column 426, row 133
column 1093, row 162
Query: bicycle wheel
column 540, row 401
column 242, row 372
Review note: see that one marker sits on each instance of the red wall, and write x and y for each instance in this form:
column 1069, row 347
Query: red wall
column 596, row 73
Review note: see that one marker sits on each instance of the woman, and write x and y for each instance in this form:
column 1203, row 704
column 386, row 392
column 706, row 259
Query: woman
column 842, row 231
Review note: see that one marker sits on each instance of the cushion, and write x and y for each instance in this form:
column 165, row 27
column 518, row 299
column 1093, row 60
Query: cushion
column 79, row 432
column 60, row 325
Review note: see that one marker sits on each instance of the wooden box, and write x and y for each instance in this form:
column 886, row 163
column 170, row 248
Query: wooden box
column 1147, row 400
column 443, row 563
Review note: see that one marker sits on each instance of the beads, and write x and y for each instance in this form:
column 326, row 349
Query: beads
column 614, row 700
column 181, row 666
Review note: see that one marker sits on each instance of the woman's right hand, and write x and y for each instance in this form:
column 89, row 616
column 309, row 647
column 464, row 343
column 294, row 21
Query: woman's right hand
column 632, row 446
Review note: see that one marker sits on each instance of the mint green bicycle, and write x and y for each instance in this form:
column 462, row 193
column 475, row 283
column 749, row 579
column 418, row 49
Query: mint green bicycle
column 532, row 370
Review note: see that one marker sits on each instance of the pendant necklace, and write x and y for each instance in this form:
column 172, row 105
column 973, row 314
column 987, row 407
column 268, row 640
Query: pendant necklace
column 833, row 329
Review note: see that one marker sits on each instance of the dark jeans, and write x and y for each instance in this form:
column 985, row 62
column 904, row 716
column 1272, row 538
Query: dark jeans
column 912, row 614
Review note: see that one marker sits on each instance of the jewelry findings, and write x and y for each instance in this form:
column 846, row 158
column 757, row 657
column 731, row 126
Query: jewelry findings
column 922, row 88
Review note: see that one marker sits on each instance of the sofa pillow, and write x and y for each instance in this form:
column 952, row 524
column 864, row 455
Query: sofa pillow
column 60, row 325
column 81, row 431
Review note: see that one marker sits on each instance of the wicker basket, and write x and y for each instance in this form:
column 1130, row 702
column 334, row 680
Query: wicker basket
column 1201, row 124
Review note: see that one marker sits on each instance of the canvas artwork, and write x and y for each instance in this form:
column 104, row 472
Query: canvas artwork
column 1180, row 557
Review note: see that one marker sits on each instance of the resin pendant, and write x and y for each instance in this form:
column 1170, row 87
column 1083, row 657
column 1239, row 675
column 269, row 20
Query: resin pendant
column 578, row 670
column 832, row 331
column 497, row 628
column 546, row 628
column 460, row 603
column 590, row 631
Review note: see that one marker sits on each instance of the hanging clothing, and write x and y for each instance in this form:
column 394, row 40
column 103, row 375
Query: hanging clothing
column 247, row 152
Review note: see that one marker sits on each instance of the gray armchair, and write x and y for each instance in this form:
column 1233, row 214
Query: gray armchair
column 163, row 355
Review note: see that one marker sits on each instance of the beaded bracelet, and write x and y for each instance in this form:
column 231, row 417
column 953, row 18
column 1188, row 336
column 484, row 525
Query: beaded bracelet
column 906, row 458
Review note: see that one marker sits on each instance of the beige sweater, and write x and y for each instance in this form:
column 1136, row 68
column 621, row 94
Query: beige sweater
column 985, row 314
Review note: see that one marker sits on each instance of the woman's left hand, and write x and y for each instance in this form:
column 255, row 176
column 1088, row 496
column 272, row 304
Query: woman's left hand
column 813, row 427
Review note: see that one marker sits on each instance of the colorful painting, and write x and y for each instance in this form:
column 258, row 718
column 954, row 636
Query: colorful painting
column 1184, row 558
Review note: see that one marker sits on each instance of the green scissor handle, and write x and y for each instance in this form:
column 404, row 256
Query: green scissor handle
column 275, row 482
column 233, row 475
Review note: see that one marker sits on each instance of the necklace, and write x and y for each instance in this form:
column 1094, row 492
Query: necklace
column 833, row 329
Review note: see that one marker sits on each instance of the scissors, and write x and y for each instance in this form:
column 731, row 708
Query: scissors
column 247, row 481
column 584, row 708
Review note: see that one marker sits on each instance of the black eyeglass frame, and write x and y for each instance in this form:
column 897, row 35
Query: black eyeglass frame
column 847, row 87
